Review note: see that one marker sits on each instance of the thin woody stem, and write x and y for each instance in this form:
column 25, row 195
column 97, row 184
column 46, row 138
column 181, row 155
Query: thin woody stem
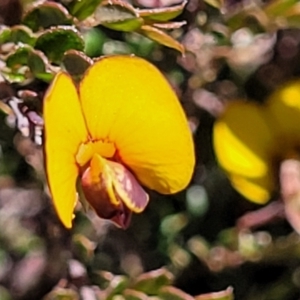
column 289, row 177
column 287, row 207
column 263, row 216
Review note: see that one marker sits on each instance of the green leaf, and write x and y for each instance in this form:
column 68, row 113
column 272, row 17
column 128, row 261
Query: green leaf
column 278, row 7
column 17, row 34
column 113, row 47
column 19, row 57
column 127, row 25
column 215, row 3
column 161, row 37
column 4, row 34
column 82, row 9
column 162, row 14
column 56, row 41
column 223, row 295
column 172, row 293
column 14, row 76
column 22, row 34
column 62, row 294
column 292, row 16
column 151, row 282
column 17, row 62
column 84, row 247
column 112, row 284
column 172, row 224
column 94, row 39
column 38, row 64
column 117, row 285
column 35, row 60
column 76, row 62
column 118, row 15
column 114, row 11
column 140, row 45
column 46, row 15
column 129, row 294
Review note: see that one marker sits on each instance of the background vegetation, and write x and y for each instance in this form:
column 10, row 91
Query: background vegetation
column 199, row 241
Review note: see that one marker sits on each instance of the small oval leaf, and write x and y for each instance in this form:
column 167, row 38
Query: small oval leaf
column 76, row 62
column 127, row 25
column 162, row 14
column 14, row 77
column 215, row 3
column 94, row 38
column 56, row 41
column 82, row 9
column 114, row 11
column 38, row 64
column 130, row 294
column 46, row 15
column 152, row 281
column 22, row 34
column 35, row 60
column 117, row 15
column 278, row 7
column 161, row 37
column 18, row 58
column 4, row 34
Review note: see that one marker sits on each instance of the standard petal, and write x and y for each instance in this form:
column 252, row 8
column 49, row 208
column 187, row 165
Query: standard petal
column 243, row 141
column 64, row 131
column 128, row 102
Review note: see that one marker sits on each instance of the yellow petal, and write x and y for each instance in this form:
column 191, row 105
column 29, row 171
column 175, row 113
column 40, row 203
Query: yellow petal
column 87, row 150
column 243, row 141
column 64, row 132
column 128, row 102
column 284, row 108
column 257, row 190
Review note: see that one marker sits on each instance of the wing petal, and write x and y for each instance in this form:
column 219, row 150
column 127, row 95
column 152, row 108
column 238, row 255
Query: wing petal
column 64, row 131
column 257, row 190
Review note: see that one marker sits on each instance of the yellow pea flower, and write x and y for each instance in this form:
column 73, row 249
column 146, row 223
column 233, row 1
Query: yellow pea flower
column 121, row 127
column 250, row 141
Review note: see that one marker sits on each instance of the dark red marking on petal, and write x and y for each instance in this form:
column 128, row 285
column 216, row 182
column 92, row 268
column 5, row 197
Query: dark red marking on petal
column 128, row 188
column 112, row 191
column 98, row 197
column 122, row 217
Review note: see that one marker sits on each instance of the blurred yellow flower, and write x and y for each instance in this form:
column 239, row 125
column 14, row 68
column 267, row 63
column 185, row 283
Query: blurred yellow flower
column 120, row 127
column 251, row 140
